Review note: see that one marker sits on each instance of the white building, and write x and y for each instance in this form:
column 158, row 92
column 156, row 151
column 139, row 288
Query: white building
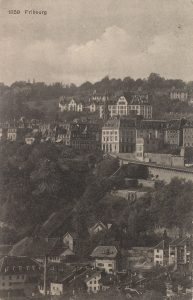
column 178, row 94
column 93, row 282
column 105, row 258
column 124, row 106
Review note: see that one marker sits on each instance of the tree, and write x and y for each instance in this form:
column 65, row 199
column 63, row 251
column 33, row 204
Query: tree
column 107, row 167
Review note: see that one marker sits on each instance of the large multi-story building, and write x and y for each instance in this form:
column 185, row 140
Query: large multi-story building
column 174, row 132
column 18, row 273
column 119, row 135
column 179, row 94
column 128, row 105
column 188, row 134
column 149, row 136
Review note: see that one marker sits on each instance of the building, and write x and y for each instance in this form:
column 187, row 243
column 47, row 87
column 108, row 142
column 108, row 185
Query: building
column 99, row 227
column 13, row 134
column 69, row 240
column 188, row 134
column 140, row 107
column 71, row 104
column 85, row 136
column 3, row 133
column 161, row 254
column 150, row 135
column 38, row 248
column 128, row 104
column 179, row 94
column 106, row 258
column 93, row 282
column 119, row 135
column 174, row 132
column 18, row 273
column 56, row 288
column 179, row 252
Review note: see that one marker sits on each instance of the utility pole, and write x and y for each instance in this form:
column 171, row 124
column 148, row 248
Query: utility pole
column 191, row 260
column 45, row 275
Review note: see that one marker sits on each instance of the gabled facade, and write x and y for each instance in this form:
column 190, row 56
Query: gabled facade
column 96, row 228
column 106, row 259
column 69, row 240
column 161, row 254
column 93, row 282
column 179, row 252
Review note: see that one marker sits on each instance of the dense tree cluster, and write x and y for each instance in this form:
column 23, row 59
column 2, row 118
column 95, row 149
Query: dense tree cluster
column 37, row 180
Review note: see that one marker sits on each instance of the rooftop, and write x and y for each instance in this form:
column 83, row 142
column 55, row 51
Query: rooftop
column 104, row 252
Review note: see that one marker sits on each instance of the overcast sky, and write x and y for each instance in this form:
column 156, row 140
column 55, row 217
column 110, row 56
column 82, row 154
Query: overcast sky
column 81, row 40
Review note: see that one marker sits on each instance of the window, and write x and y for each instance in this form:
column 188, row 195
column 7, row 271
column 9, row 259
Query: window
column 100, row 265
column 10, row 277
column 109, row 265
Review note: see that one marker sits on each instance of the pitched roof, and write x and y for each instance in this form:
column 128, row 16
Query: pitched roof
column 90, row 275
column 188, row 124
column 179, row 242
column 104, row 252
column 99, row 223
column 35, row 247
column 5, row 249
column 160, row 246
column 174, row 124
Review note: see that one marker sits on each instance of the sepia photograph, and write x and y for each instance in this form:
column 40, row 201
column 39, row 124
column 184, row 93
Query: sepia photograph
column 96, row 149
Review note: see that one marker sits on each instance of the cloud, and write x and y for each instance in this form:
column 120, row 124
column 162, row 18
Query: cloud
column 85, row 40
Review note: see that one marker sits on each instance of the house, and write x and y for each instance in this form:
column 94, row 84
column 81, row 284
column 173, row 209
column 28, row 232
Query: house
column 188, row 134
column 39, row 248
column 12, row 134
column 119, row 135
column 93, row 282
column 32, row 137
column 97, row 227
column 179, row 94
column 69, row 240
column 56, row 288
column 106, row 258
column 161, row 254
column 140, row 107
column 179, row 252
column 71, row 104
column 19, row 273
column 3, row 133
